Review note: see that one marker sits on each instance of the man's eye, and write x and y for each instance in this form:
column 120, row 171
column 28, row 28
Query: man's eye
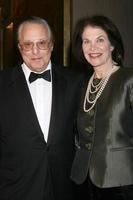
column 28, row 44
column 42, row 43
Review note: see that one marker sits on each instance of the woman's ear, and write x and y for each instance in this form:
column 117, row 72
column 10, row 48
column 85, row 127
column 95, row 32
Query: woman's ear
column 111, row 48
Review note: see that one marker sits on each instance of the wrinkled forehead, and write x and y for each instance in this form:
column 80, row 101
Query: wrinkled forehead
column 33, row 31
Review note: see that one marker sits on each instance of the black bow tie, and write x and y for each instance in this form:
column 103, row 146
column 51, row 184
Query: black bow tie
column 45, row 75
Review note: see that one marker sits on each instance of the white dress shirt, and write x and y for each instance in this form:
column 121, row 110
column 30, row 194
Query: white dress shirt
column 41, row 94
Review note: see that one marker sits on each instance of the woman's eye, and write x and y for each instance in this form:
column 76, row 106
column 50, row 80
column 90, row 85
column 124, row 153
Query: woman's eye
column 100, row 40
column 85, row 41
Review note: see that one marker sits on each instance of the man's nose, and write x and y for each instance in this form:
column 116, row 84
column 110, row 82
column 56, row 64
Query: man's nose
column 35, row 49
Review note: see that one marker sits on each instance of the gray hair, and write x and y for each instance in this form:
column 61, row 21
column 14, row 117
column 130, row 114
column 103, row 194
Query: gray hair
column 35, row 20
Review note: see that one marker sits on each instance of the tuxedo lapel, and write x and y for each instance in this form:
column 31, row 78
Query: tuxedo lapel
column 58, row 95
column 24, row 99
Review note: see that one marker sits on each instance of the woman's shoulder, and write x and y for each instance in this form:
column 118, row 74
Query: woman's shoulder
column 126, row 71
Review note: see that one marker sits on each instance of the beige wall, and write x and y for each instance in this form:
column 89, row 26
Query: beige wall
column 120, row 11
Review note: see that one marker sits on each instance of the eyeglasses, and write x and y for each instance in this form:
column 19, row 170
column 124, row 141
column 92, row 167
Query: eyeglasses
column 27, row 46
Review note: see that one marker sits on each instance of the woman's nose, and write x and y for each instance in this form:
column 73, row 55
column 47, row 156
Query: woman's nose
column 93, row 46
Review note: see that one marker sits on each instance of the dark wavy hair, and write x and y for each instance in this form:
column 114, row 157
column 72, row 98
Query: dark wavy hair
column 111, row 30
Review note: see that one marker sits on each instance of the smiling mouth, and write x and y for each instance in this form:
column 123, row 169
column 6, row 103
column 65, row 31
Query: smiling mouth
column 95, row 55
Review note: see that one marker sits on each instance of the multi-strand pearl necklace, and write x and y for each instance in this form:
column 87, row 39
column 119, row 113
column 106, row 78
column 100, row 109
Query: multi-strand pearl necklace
column 98, row 89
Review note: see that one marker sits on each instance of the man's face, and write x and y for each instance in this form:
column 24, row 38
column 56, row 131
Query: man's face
column 35, row 46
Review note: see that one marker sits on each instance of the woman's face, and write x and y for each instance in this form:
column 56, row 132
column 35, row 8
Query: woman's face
column 96, row 46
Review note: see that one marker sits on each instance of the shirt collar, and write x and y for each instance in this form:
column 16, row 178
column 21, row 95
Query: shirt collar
column 27, row 71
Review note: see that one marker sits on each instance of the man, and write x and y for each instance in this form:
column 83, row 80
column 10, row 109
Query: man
column 37, row 120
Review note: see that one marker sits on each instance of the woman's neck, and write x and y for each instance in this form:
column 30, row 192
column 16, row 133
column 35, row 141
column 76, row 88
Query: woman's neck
column 102, row 72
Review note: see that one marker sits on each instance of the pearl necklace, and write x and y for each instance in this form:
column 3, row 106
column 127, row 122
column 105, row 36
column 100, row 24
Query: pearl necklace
column 96, row 89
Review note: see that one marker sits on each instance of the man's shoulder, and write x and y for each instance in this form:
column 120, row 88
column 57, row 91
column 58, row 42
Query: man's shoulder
column 5, row 73
column 68, row 72
column 8, row 73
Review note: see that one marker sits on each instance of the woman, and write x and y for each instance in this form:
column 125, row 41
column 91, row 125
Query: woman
column 104, row 156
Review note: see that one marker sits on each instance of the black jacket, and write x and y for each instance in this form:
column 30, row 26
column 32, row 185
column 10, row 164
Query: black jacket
column 105, row 151
column 30, row 168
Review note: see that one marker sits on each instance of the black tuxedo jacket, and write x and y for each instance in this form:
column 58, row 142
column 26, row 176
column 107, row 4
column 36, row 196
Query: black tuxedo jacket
column 30, row 168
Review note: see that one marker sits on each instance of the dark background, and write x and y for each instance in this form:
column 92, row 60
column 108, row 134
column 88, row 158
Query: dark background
column 120, row 11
